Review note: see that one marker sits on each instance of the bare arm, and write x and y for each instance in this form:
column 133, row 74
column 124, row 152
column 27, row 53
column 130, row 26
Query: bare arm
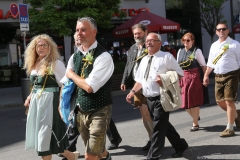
column 60, row 95
column 206, row 76
column 79, row 81
column 135, row 88
column 204, row 68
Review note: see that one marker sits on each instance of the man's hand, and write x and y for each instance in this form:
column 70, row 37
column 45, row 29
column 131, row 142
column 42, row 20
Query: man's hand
column 129, row 97
column 205, row 80
column 123, row 87
column 70, row 73
column 158, row 80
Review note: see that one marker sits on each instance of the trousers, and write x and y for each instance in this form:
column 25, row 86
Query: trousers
column 162, row 128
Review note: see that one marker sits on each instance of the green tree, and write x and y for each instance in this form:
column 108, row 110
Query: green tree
column 58, row 17
column 210, row 12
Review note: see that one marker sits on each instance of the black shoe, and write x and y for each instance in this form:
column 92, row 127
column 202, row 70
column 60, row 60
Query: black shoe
column 199, row 118
column 114, row 146
column 147, row 146
column 59, row 155
column 108, row 157
column 179, row 153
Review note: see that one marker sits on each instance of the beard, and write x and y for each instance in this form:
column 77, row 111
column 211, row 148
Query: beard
column 140, row 40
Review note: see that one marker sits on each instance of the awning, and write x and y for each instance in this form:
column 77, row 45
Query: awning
column 153, row 22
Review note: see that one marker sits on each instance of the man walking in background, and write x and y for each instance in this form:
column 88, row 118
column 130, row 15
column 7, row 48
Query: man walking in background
column 224, row 58
column 135, row 55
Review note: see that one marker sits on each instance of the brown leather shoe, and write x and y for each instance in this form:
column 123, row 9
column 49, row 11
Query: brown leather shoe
column 227, row 133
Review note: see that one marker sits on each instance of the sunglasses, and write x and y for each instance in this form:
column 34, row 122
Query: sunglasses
column 221, row 29
column 186, row 40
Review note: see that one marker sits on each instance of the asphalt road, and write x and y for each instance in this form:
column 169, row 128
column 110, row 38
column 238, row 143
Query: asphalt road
column 203, row 144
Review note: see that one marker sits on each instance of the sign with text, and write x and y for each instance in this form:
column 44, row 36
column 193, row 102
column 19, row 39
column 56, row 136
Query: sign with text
column 23, row 17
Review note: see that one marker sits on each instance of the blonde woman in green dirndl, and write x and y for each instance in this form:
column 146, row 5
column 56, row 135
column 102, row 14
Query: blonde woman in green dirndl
column 45, row 130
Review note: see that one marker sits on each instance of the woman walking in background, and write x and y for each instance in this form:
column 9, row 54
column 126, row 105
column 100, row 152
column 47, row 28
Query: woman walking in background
column 191, row 60
column 45, row 130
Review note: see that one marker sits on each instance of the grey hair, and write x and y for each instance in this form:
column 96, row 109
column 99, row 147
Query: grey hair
column 92, row 22
column 158, row 35
column 139, row 25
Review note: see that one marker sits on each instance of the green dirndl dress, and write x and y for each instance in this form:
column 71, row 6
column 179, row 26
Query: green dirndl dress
column 44, row 125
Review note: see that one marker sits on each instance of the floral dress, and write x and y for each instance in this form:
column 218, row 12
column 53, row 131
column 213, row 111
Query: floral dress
column 45, row 130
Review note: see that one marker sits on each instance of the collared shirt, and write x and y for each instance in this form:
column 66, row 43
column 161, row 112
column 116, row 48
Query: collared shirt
column 102, row 69
column 136, row 63
column 161, row 63
column 230, row 59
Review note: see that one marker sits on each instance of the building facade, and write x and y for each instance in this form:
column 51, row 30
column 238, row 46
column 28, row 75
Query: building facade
column 11, row 53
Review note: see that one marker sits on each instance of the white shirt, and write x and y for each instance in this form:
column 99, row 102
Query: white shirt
column 161, row 63
column 198, row 56
column 58, row 70
column 102, row 69
column 230, row 60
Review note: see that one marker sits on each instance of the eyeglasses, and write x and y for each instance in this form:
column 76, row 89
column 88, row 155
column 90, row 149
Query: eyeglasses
column 42, row 45
column 186, row 40
column 152, row 40
column 221, row 29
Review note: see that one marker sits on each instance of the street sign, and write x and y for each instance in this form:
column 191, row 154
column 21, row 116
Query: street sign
column 23, row 17
column 24, row 26
column 14, row 9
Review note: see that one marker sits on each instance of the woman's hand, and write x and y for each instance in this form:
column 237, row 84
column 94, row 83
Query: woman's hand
column 27, row 101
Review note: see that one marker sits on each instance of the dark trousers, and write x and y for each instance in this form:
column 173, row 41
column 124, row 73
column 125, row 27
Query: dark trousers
column 162, row 128
column 73, row 134
column 112, row 133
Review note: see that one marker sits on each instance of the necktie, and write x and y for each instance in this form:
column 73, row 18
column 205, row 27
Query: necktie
column 148, row 68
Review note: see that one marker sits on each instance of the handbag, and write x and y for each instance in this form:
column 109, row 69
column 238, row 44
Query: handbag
column 67, row 101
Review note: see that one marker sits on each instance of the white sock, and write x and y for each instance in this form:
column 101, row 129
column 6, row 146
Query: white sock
column 229, row 126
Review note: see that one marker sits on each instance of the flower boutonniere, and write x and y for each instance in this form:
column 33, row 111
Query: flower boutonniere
column 188, row 61
column 49, row 70
column 224, row 48
column 144, row 53
column 88, row 60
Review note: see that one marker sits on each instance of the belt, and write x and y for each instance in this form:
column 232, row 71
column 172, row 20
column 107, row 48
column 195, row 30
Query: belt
column 227, row 74
column 154, row 98
column 49, row 89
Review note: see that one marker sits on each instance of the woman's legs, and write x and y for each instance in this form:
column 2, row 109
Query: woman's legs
column 49, row 157
column 194, row 113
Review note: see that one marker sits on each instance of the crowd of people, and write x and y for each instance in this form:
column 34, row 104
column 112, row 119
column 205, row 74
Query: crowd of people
column 91, row 68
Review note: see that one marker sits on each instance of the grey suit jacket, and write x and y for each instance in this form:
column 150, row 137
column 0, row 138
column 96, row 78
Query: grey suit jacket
column 127, row 74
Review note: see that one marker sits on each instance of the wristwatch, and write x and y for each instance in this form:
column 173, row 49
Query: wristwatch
column 133, row 91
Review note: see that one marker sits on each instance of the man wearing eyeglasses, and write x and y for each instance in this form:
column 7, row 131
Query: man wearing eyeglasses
column 136, row 53
column 224, row 59
column 147, row 78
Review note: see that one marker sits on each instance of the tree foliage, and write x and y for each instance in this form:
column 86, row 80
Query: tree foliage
column 210, row 12
column 58, row 17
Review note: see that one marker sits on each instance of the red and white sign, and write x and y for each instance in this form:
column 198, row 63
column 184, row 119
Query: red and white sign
column 236, row 29
column 14, row 9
